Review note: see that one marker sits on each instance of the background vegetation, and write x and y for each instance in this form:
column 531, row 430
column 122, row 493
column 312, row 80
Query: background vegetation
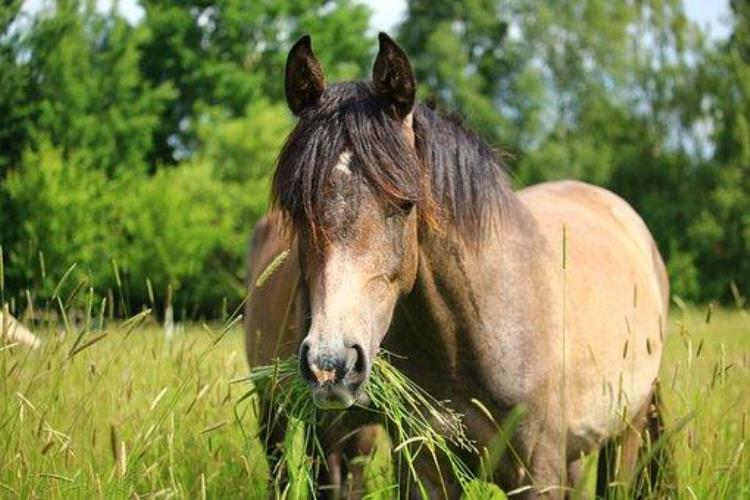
column 141, row 152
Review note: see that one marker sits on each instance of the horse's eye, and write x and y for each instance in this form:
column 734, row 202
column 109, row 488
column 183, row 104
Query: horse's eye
column 406, row 205
column 400, row 209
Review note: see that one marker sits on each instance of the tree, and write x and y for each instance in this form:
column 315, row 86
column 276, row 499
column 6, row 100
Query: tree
column 462, row 58
column 77, row 114
column 149, row 145
column 85, row 91
column 230, row 53
column 14, row 90
column 588, row 89
column 720, row 233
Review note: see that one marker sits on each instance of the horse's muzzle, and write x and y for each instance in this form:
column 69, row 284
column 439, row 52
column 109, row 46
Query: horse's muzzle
column 335, row 375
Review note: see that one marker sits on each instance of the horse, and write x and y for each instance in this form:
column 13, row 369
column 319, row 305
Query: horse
column 12, row 330
column 405, row 234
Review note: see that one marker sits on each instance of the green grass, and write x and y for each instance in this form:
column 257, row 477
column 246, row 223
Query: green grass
column 128, row 414
column 420, row 424
column 706, row 378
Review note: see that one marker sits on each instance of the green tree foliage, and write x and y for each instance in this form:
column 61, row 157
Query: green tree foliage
column 615, row 93
column 230, row 53
column 64, row 213
column 148, row 148
column 463, row 58
column 720, row 231
column 182, row 227
column 150, row 145
column 13, row 90
column 86, row 91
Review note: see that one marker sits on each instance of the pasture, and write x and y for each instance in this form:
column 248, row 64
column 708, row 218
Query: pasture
column 121, row 412
column 141, row 141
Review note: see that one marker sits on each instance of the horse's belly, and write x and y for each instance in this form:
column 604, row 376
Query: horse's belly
column 597, row 413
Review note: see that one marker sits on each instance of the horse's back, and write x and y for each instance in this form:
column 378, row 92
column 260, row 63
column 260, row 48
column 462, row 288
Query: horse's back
column 269, row 310
column 596, row 212
column 616, row 300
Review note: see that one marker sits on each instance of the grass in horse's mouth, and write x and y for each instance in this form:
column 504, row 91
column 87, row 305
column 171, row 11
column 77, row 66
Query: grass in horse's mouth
column 419, row 423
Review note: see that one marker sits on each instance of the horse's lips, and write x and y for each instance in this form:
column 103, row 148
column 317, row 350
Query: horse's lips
column 334, row 397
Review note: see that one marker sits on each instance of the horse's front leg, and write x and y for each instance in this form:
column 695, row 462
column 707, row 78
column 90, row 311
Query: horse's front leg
column 421, row 475
column 542, row 469
column 347, row 442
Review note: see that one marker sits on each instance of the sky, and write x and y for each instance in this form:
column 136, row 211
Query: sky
column 711, row 13
column 388, row 13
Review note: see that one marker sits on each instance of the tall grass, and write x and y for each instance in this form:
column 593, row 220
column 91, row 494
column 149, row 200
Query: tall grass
column 126, row 413
column 706, row 376
column 419, row 423
column 111, row 409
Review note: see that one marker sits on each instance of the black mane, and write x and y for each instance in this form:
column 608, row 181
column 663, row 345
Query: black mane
column 455, row 178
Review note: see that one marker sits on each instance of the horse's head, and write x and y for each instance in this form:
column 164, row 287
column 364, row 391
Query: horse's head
column 350, row 180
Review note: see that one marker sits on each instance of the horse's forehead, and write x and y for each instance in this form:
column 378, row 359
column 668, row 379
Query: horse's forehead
column 349, row 201
column 342, row 166
column 343, row 188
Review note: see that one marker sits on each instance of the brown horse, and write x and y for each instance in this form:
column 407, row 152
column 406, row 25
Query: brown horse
column 407, row 236
column 270, row 311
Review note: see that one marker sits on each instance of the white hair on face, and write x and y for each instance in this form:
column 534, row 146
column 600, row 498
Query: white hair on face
column 343, row 164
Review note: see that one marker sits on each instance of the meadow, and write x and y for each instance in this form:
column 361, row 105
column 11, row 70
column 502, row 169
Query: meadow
column 122, row 412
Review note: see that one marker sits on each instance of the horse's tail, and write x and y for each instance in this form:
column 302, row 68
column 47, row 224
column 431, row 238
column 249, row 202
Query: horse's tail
column 655, row 474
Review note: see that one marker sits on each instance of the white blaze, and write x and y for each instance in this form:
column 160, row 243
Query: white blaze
column 343, row 164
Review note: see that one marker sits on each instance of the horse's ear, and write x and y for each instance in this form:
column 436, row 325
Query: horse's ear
column 393, row 77
column 304, row 81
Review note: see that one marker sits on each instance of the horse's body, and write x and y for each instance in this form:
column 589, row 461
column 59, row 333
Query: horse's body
column 12, row 330
column 558, row 308
column 270, row 311
column 508, row 348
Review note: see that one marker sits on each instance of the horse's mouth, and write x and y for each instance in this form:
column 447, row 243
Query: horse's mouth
column 338, row 397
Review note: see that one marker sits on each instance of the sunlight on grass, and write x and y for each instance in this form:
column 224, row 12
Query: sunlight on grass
column 128, row 414
column 120, row 411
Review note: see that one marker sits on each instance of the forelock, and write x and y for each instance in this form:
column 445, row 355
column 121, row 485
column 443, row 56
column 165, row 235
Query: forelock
column 350, row 124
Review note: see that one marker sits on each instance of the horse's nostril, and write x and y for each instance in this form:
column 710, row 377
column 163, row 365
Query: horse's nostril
column 304, row 362
column 326, row 366
column 360, row 365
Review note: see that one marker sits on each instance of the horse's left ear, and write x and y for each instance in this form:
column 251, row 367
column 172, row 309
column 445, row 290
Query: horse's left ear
column 393, row 77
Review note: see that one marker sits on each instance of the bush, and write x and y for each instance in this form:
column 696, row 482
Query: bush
column 182, row 227
column 62, row 213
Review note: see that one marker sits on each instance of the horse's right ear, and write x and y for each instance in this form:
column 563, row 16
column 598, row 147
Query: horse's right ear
column 304, row 81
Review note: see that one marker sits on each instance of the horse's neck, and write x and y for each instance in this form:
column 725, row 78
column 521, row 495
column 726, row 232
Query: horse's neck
column 430, row 320
column 439, row 325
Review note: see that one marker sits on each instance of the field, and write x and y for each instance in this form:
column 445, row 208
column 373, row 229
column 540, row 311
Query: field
column 124, row 413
